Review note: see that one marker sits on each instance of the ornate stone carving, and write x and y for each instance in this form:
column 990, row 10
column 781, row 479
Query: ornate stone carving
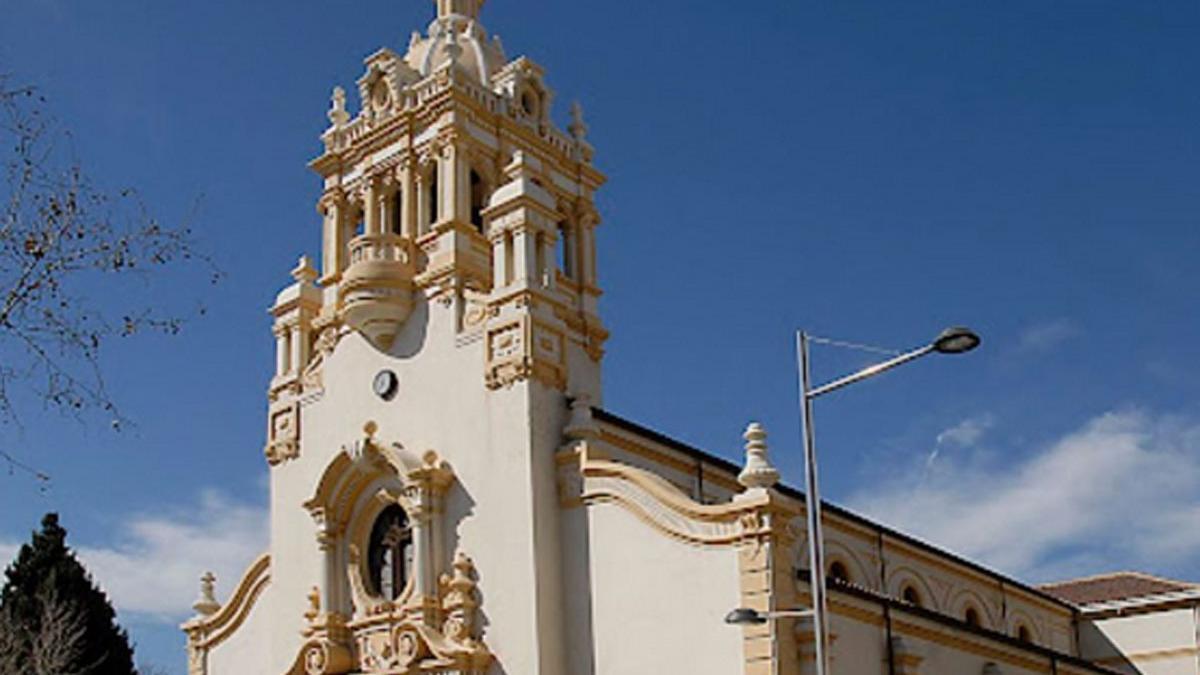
column 283, row 433
column 459, row 602
column 524, row 349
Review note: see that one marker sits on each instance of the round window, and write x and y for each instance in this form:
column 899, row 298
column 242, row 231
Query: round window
column 380, row 95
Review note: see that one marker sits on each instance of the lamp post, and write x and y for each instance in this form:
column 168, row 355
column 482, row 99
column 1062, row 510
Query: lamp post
column 950, row 341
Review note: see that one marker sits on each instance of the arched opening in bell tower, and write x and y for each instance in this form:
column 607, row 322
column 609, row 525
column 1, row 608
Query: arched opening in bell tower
column 358, row 222
column 396, row 215
column 478, row 200
column 430, row 212
column 566, row 249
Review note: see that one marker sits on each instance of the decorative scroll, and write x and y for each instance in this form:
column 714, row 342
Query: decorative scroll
column 205, row 633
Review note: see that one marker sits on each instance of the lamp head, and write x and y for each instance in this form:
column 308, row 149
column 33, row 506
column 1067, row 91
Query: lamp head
column 743, row 616
column 957, row 340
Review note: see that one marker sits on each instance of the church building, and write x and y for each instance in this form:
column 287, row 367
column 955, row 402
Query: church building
column 449, row 494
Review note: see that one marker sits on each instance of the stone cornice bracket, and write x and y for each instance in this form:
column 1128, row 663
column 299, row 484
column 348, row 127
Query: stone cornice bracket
column 582, row 426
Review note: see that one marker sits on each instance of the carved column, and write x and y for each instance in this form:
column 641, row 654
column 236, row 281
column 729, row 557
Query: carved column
column 456, row 184
column 333, row 207
column 283, row 351
column 445, row 180
column 406, row 174
column 524, row 257
column 586, row 232
column 327, row 545
column 371, row 224
column 299, row 350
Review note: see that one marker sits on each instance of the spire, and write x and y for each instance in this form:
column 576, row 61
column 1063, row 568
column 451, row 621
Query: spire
column 467, row 8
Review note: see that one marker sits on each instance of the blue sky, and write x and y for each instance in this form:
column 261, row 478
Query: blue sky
column 871, row 171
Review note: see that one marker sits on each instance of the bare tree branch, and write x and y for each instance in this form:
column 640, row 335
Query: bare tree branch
column 66, row 248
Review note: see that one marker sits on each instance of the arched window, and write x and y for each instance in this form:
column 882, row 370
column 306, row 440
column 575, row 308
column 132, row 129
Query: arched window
column 432, row 199
column 478, row 200
column 360, row 223
column 539, row 259
column 911, row 595
column 397, row 214
column 972, row 617
column 1023, row 634
column 390, row 555
column 838, row 572
column 566, row 249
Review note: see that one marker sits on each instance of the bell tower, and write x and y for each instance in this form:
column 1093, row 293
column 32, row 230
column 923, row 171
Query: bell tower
column 434, row 349
column 451, row 184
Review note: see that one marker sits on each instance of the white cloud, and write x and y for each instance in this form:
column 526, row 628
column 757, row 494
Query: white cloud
column 8, row 553
column 967, row 432
column 153, row 565
column 1123, row 491
column 1043, row 337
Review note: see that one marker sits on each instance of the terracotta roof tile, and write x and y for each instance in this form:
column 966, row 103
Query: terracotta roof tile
column 1112, row 587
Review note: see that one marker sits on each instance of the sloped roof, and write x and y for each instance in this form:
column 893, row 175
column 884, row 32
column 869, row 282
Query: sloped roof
column 1114, row 587
column 718, row 462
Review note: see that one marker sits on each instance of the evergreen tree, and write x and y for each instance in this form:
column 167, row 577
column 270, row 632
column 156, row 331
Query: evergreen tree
column 53, row 618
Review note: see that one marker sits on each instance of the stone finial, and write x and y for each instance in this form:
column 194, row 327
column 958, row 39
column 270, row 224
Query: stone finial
column 758, row 472
column 582, row 426
column 467, row 8
column 453, row 49
column 304, row 272
column 338, row 116
column 578, row 128
column 206, row 604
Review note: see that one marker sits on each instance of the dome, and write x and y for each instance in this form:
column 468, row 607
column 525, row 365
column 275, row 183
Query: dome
column 476, row 55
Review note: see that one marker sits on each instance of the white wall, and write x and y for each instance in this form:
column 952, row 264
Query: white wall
column 658, row 604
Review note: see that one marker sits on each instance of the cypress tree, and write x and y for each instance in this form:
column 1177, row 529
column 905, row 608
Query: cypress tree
column 53, row 618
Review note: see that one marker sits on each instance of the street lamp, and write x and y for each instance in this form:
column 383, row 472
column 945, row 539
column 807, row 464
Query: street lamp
column 743, row 616
column 955, row 340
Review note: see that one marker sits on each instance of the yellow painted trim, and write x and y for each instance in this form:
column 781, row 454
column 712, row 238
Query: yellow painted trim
column 232, row 615
column 717, row 476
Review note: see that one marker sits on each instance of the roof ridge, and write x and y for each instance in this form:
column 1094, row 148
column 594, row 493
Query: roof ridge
column 1104, row 576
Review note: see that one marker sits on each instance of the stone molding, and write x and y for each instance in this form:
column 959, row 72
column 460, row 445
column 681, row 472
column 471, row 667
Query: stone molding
column 756, row 524
column 205, row 633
